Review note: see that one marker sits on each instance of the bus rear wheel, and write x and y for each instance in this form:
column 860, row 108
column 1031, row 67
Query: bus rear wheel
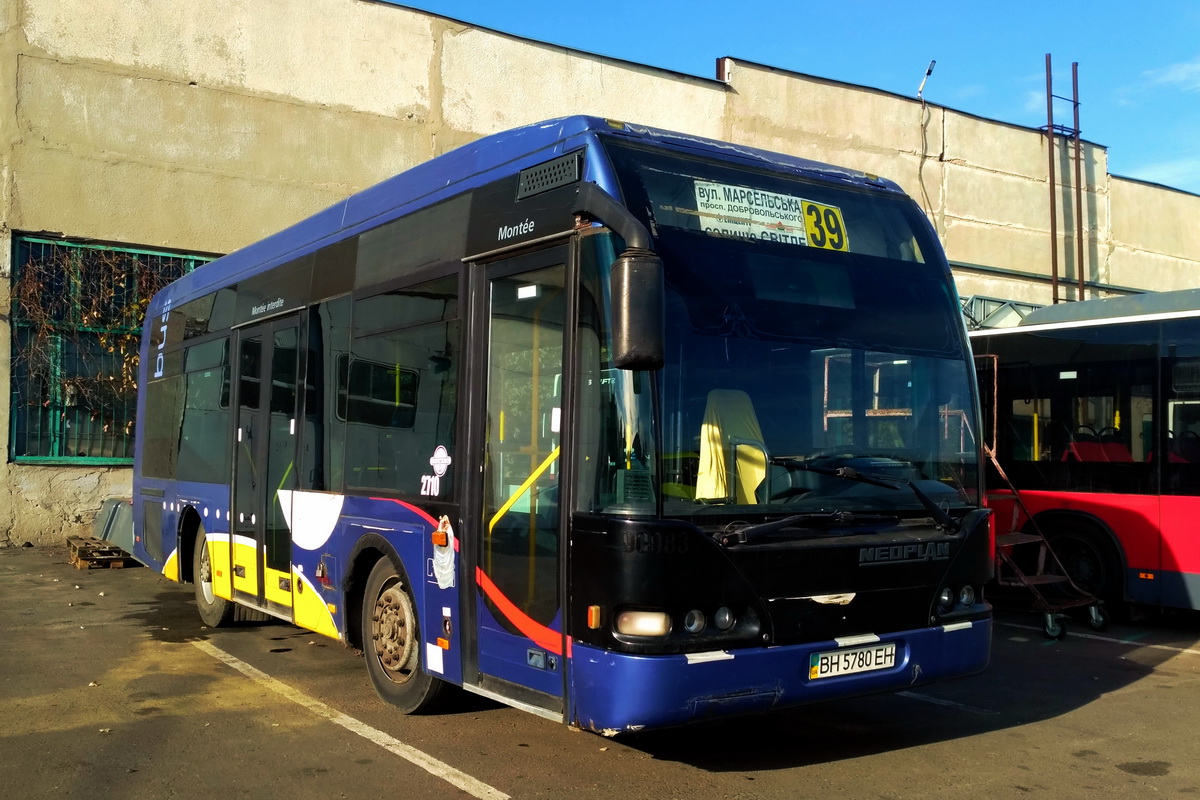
column 214, row 611
column 392, row 642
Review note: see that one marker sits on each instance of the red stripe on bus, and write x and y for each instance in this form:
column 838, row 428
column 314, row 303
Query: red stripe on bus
column 546, row 638
column 411, row 508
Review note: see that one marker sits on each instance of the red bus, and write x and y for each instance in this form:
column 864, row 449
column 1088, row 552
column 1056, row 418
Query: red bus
column 1096, row 409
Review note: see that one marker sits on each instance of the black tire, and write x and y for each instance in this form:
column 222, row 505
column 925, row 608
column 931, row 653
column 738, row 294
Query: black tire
column 391, row 637
column 1054, row 627
column 215, row 611
column 1089, row 562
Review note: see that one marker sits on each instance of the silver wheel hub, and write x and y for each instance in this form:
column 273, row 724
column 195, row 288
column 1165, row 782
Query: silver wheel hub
column 205, row 576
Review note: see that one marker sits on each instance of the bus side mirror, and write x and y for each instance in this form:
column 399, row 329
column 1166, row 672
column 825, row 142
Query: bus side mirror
column 638, row 308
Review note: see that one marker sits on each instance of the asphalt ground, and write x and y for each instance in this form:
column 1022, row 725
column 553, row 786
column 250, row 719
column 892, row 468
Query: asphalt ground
column 112, row 688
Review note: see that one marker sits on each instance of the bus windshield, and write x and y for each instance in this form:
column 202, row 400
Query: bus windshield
column 805, row 333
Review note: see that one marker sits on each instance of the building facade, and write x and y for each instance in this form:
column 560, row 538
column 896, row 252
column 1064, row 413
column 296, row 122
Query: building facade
column 139, row 139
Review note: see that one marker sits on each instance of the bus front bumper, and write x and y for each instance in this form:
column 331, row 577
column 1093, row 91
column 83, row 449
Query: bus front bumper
column 614, row 693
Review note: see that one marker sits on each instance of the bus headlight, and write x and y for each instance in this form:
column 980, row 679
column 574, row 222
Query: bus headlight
column 643, row 623
column 966, row 596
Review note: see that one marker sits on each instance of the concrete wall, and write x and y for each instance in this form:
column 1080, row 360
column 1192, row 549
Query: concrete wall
column 203, row 126
column 1155, row 236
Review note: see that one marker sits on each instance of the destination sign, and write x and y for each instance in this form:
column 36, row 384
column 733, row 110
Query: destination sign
column 757, row 215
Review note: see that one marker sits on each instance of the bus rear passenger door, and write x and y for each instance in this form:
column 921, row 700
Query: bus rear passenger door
column 265, row 474
column 517, row 605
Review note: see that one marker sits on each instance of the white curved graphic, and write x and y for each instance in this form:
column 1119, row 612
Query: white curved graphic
column 311, row 516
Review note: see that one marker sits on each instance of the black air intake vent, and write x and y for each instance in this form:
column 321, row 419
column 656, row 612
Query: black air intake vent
column 550, row 175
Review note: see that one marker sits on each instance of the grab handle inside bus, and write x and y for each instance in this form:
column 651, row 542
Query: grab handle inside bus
column 636, row 284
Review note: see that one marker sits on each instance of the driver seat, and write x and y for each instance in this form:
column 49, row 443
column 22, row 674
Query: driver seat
column 733, row 457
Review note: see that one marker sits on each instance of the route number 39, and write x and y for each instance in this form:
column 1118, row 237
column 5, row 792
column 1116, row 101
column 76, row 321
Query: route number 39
column 825, row 227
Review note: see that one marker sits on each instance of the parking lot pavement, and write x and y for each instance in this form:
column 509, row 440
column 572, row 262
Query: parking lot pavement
column 115, row 689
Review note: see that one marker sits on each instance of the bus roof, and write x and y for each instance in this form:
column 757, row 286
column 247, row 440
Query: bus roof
column 474, row 165
column 1113, row 309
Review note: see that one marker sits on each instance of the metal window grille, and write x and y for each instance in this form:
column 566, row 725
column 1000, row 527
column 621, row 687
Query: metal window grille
column 77, row 312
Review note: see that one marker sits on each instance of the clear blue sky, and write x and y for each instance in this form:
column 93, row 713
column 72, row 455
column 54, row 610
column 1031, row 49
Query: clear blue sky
column 1139, row 62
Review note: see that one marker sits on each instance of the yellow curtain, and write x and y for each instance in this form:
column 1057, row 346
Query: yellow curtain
column 730, row 415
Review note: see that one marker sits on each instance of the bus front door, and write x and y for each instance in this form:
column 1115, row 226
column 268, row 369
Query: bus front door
column 517, row 605
column 267, row 360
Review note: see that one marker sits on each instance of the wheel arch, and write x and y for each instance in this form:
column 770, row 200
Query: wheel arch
column 185, row 542
column 1090, row 526
column 367, row 552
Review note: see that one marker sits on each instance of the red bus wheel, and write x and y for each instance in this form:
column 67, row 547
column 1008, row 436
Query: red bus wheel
column 1088, row 561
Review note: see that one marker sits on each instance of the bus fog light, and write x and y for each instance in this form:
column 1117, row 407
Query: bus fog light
column 643, row 623
column 694, row 621
column 946, row 598
column 724, row 618
column 966, row 596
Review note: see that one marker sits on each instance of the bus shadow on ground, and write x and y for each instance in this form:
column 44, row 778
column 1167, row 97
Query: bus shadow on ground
column 1030, row 679
column 171, row 616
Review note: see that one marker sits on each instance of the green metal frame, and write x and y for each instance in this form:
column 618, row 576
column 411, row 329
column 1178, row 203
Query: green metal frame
column 47, row 424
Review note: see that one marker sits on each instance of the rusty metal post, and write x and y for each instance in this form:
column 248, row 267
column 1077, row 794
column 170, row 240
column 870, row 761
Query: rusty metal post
column 1053, row 203
column 1079, row 215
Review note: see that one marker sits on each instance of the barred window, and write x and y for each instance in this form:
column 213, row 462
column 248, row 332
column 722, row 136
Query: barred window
column 77, row 312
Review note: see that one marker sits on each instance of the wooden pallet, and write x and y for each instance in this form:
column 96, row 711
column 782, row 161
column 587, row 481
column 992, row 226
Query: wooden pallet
column 91, row 553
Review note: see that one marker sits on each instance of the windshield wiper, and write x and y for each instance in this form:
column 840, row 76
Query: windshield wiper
column 939, row 514
column 849, row 473
column 731, row 537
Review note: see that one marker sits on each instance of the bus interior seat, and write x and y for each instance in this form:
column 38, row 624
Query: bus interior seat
column 1086, row 445
column 1113, row 447
column 1083, row 445
column 733, row 457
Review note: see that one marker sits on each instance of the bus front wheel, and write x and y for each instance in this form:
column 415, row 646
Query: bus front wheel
column 214, row 611
column 392, row 642
column 1088, row 561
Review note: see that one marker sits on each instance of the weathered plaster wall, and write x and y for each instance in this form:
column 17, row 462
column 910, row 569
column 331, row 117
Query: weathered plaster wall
column 204, row 126
column 490, row 83
column 1155, row 236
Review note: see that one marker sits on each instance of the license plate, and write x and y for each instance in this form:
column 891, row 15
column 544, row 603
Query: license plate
column 832, row 663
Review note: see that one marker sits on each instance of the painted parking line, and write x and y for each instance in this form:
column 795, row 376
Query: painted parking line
column 1130, row 642
column 433, row 766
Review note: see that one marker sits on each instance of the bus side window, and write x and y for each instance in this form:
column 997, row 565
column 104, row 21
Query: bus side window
column 397, row 390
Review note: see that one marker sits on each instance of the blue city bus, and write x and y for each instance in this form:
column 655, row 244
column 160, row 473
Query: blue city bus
column 623, row 427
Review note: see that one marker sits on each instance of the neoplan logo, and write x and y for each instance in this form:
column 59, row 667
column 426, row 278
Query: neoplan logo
column 903, row 554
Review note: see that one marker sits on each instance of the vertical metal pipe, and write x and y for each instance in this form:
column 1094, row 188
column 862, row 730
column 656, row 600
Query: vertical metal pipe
column 1053, row 204
column 1079, row 210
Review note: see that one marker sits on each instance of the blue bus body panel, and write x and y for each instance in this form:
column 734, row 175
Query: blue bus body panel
column 210, row 501
column 403, row 527
column 618, row 693
column 466, row 168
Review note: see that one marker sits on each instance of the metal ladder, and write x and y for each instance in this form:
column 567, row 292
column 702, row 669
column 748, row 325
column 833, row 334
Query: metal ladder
column 1048, row 589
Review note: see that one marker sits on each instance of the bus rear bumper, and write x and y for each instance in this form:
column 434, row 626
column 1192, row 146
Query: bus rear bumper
column 616, row 693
